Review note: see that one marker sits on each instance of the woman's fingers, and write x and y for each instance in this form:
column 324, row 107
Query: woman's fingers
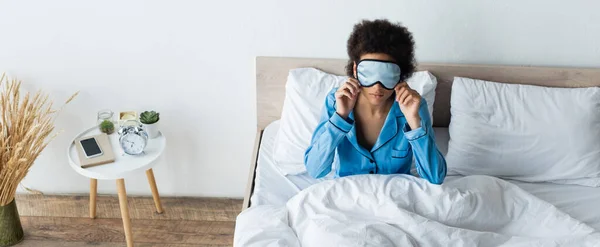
column 349, row 93
column 400, row 85
column 399, row 93
column 403, row 95
column 412, row 95
column 347, row 90
column 354, row 84
column 408, row 99
column 342, row 93
column 353, row 89
column 345, row 86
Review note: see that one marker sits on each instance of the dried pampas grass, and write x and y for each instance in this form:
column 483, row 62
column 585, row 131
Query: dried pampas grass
column 26, row 127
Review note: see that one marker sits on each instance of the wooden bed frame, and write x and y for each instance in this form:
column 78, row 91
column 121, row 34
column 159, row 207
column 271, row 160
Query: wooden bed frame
column 272, row 72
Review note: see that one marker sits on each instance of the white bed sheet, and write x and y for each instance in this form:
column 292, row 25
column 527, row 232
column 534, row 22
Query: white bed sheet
column 273, row 188
column 581, row 202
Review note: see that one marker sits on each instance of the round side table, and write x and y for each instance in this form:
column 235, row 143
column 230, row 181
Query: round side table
column 124, row 165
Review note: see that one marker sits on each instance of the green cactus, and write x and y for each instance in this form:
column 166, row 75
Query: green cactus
column 149, row 117
column 107, row 127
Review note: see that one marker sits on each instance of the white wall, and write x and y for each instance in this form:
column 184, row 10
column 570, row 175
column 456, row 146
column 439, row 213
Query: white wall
column 194, row 62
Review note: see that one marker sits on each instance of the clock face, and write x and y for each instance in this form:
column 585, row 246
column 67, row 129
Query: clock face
column 133, row 144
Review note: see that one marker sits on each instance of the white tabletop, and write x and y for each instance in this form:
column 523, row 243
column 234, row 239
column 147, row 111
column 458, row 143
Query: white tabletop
column 124, row 164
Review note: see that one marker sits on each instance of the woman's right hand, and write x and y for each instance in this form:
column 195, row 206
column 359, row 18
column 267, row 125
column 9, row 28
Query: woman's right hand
column 346, row 97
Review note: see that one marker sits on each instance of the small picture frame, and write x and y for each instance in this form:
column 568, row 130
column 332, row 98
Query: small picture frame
column 124, row 116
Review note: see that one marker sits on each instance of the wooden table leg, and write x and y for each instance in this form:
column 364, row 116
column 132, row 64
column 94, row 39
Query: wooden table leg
column 93, row 193
column 152, row 182
column 125, row 211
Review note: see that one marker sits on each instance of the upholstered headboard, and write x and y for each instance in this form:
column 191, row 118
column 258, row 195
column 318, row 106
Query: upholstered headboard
column 271, row 75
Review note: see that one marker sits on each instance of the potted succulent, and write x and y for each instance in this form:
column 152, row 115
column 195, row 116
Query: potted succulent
column 107, row 127
column 149, row 121
column 26, row 127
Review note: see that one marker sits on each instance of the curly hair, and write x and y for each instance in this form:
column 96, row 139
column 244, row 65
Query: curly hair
column 382, row 36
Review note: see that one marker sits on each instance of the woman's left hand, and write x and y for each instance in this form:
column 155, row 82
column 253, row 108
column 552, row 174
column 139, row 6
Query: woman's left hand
column 409, row 101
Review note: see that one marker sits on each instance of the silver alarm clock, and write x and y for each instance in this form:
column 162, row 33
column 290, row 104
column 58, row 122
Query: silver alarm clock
column 132, row 137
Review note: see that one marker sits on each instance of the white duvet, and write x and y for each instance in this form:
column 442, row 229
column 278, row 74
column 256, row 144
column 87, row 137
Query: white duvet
column 401, row 210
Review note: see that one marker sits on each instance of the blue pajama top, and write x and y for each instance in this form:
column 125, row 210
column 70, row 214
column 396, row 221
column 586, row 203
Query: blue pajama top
column 392, row 152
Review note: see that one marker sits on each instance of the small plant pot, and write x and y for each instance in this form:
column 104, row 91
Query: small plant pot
column 152, row 130
column 11, row 231
column 108, row 132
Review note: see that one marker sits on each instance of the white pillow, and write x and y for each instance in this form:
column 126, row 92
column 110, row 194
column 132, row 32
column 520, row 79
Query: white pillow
column 306, row 89
column 526, row 133
column 305, row 92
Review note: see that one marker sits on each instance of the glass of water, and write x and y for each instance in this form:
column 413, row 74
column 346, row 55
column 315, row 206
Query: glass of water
column 104, row 115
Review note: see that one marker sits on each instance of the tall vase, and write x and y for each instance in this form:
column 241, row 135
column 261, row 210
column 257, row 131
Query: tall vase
column 11, row 231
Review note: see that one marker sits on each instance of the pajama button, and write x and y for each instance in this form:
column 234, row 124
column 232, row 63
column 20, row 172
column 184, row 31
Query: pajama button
column 371, row 161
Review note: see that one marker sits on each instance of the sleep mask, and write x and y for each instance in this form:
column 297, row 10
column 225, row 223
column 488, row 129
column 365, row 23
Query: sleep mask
column 370, row 72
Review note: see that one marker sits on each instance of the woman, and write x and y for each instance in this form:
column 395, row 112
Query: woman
column 375, row 121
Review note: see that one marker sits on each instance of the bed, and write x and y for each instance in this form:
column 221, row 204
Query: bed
column 267, row 186
column 272, row 188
